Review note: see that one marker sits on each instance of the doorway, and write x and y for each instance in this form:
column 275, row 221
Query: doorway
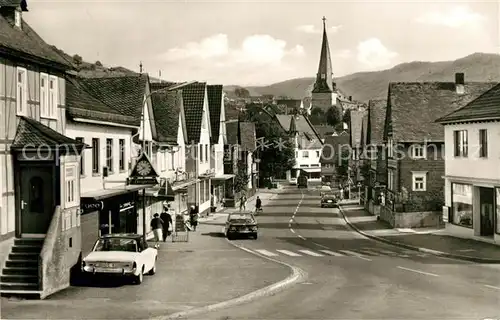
column 486, row 200
column 36, row 199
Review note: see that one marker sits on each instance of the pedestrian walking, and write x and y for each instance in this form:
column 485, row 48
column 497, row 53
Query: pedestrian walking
column 167, row 222
column 157, row 226
column 258, row 205
column 243, row 202
column 193, row 217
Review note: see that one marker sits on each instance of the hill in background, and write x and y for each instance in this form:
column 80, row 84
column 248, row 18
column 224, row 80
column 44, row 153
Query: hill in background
column 364, row 86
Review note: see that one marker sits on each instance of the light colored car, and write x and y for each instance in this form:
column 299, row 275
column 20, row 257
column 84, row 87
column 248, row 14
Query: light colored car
column 125, row 255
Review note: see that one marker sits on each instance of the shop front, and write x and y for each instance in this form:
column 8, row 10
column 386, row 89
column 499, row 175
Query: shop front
column 220, row 183
column 108, row 211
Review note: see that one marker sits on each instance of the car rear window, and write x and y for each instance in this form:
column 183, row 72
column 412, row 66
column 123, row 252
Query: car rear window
column 116, row 244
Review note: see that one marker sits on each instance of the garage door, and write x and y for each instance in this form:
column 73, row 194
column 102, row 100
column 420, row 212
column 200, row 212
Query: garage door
column 90, row 230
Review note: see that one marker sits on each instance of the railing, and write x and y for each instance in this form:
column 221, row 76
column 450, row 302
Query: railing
column 46, row 255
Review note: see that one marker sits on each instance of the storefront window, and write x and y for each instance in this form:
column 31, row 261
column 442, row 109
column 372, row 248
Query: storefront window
column 498, row 211
column 462, row 204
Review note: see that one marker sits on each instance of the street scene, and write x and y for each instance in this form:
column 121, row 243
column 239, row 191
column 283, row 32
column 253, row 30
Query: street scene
column 327, row 167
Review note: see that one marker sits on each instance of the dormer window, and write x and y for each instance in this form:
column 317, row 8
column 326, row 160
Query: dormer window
column 323, row 76
column 17, row 18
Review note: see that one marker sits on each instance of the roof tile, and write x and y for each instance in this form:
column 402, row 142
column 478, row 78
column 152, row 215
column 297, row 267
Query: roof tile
column 232, row 132
column 214, row 93
column 377, row 118
column 166, row 111
column 332, row 147
column 247, row 136
column 193, row 96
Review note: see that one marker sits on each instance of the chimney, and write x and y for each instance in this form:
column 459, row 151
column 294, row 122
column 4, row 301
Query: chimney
column 460, row 83
column 350, row 98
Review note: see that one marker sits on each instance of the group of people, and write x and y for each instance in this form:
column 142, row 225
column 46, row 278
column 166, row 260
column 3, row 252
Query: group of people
column 162, row 224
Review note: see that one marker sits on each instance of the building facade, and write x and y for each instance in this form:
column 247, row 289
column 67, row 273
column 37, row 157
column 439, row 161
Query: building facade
column 472, row 169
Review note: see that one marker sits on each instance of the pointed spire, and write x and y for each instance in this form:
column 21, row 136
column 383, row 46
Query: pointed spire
column 293, row 126
column 324, row 77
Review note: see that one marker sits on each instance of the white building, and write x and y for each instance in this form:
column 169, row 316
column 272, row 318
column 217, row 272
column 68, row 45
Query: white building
column 472, row 169
column 308, row 145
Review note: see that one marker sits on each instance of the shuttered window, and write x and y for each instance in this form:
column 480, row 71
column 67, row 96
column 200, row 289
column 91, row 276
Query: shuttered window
column 21, row 91
column 483, row 143
column 44, row 95
column 53, row 98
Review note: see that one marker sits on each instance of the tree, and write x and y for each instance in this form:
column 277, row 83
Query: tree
column 347, row 117
column 78, row 60
column 241, row 93
column 333, row 116
column 241, row 178
column 317, row 116
column 274, row 148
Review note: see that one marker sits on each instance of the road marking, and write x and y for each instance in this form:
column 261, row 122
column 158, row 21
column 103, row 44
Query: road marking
column 301, row 237
column 293, row 231
column 289, row 253
column 247, row 250
column 355, row 254
column 491, row 287
column 369, row 252
column 311, row 253
column 291, row 220
column 320, row 245
column 266, row 253
column 392, row 253
column 332, row 253
column 418, row 271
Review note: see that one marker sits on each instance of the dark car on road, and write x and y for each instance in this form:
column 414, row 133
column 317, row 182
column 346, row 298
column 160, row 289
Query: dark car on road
column 329, row 200
column 302, row 181
column 241, row 224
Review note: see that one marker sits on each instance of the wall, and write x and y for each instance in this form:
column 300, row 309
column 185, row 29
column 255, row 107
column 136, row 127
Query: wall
column 91, row 181
column 310, row 162
column 433, row 198
column 8, row 126
column 473, row 166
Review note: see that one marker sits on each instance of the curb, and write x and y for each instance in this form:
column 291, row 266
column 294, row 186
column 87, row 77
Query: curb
column 414, row 248
column 295, row 276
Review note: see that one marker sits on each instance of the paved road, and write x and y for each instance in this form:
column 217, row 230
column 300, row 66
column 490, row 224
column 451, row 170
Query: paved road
column 351, row 277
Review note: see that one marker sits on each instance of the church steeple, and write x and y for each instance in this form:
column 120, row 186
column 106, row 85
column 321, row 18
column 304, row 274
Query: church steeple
column 324, row 77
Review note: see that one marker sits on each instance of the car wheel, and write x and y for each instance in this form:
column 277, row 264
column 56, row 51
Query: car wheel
column 153, row 269
column 254, row 236
column 230, row 237
column 138, row 279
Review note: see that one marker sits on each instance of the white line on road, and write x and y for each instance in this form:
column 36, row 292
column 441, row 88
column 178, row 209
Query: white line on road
column 289, row 253
column 355, row 254
column 301, row 237
column 320, row 245
column 332, row 253
column 418, row 271
column 293, row 231
column 291, row 220
column 267, row 253
column 491, row 287
column 311, row 253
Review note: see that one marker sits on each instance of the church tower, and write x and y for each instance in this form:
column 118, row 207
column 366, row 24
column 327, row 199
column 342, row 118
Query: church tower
column 324, row 93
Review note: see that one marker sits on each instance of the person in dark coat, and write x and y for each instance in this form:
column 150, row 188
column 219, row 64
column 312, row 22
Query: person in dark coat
column 193, row 217
column 167, row 222
column 157, row 227
column 258, row 204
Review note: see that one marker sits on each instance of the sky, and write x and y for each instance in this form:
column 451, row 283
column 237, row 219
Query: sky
column 263, row 42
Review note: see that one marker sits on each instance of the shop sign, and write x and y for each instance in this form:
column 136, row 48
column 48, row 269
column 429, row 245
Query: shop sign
column 127, row 205
column 90, row 206
column 143, row 172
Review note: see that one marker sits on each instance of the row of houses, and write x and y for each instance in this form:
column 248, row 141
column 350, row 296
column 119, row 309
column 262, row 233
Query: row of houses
column 424, row 156
column 75, row 151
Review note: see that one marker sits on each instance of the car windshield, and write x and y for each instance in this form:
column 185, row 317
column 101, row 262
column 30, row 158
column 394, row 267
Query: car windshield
column 241, row 218
column 116, row 244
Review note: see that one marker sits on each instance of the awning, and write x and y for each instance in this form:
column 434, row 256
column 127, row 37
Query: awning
column 179, row 185
column 223, row 177
column 311, row 169
column 108, row 193
column 163, row 191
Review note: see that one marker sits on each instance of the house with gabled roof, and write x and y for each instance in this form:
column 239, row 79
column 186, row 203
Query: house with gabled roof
column 291, row 106
column 415, row 163
column 117, row 138
column 198, row 132
column 307, row 144
column 221, row 181
column 331, row 157
column 472, row 169
column 374, row 152
column 39, row 176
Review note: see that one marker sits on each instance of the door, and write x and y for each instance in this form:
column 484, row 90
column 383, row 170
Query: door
column 486, row 197
column 36, row 198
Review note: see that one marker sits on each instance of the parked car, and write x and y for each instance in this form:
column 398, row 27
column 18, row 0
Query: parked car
column 241, row 224
column 329, row 200
column 302, row 181
column 126, row 255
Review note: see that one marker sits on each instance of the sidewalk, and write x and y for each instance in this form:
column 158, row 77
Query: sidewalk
column 204, row 271
column 264, row 194
column 434, row 241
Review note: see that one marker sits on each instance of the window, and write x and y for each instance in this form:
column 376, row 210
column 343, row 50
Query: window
column 21, row 93
column 419, row 181
column 82, row 157
column 460, row 143
column 483, row 143
column 498, row 210
column 418, row 151
column 305, row 154
column 206, row 153
column 172, row 160
column 317, row 154
column 390, row 148
column 201, row 153
column 296, row 154
column 202, row 191
column 121, row 143
column 96, row 163
column 461, row 204
column 71, row 186
column 53, row 101
column 17, row 19
column 146, row 149
column 109, row 155
column 44, row 95
column 390, row 179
